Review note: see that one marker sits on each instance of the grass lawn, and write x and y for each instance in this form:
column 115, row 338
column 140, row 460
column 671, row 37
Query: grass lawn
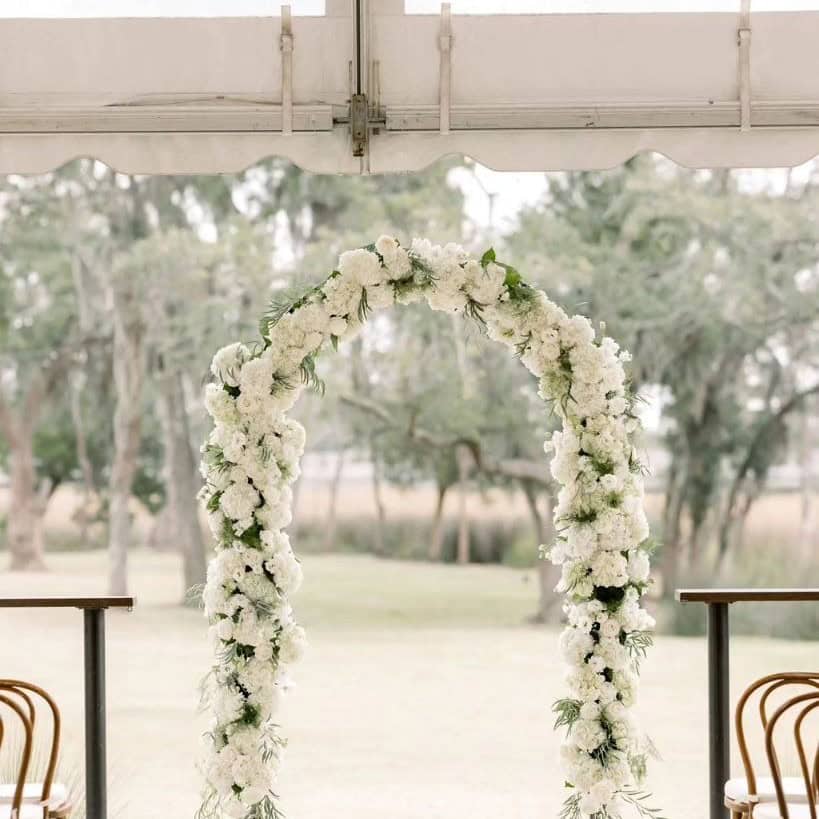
column 424, row 694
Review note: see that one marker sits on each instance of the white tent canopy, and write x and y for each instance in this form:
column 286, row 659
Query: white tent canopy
column 366, row 88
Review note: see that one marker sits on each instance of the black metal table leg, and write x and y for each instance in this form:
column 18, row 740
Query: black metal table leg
column 719, row 724
column 719, row 727
column 95, row 763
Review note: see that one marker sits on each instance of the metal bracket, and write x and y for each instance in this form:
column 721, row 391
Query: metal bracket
column 286, row 45
column 445, row 83
column 359, row 80
column 744, row 67
column 359, row 123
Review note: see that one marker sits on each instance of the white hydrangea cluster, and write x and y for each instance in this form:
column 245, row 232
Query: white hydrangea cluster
column 252, row 457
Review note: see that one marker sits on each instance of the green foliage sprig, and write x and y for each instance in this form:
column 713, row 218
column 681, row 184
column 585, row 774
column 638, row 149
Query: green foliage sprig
column 637, row 643
column 309, row 375
column 637, row 799
column 567, row 712
column 266, row 809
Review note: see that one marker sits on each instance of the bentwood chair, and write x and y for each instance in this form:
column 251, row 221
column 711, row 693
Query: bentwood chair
column 35, row 800
column 808, row 753
column 743, row 795
column 25, row 754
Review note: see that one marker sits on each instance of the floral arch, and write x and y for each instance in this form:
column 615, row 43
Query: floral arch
column 252, row 457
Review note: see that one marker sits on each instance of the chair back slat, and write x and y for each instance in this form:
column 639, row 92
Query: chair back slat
column 25, row 756
column 25, row 690
column 769, row 683
column 806, row 703
column 808, row 771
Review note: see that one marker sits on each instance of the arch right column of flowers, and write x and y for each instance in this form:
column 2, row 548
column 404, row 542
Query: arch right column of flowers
column 252, row 456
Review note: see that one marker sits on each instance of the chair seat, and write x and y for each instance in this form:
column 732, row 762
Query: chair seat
column 770, row 810
column 737, row 790
column 27, row 811
column 33, row 791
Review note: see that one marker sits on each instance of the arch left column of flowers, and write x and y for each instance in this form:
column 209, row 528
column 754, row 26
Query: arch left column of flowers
column 252, row 456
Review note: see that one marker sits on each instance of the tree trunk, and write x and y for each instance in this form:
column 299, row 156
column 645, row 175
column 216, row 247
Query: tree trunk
column 162, row 534
column 547, row 573
column 182, row 479
column 129, row 373
column 742, row 520
column 26, row 507
column 436, row 540
column 83, row 458
column 464, row 459
column 330, row 524
column 695, row 542
column 726, row 526
column 380, row 509
column 807, row 485
column 672, row 526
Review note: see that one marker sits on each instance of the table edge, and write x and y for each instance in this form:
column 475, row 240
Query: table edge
column 746, row 595
column 74, row 602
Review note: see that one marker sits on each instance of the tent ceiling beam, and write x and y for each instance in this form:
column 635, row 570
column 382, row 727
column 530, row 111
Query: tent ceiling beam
column 195, row 116
column 368, row 88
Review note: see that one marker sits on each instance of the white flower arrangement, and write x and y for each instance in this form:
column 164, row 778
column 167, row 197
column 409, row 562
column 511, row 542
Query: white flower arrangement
column 252, row 457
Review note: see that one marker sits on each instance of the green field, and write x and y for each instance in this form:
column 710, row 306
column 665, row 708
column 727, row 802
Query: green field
column 424, row 694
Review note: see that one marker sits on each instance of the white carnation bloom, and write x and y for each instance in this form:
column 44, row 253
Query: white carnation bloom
column 216, row 523
column 313, row 317
column 292, row 642
column 380, row 296
column 239, row 500
column 337, row 326
column 263, row 652
column 274, row 515
column 575, row 645
column 609, row 569
column 610, row 628
column 276, row 541
column 287, row 571
column 598, row 795
column 587, row 734
column 394, row 256
column 256, row 377
column 227, row 363
column 342, row 296
column 638, row 566
column 221, row 406
column 361, row 266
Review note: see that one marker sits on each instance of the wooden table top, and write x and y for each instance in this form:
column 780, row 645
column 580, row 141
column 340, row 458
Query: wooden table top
column 747, row 595
column 76, row 602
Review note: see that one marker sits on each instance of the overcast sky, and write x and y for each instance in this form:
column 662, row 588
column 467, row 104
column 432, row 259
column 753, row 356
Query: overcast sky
column 215, row 8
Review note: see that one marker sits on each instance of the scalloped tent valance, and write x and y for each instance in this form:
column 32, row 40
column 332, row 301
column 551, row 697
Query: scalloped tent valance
column 376, row 90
